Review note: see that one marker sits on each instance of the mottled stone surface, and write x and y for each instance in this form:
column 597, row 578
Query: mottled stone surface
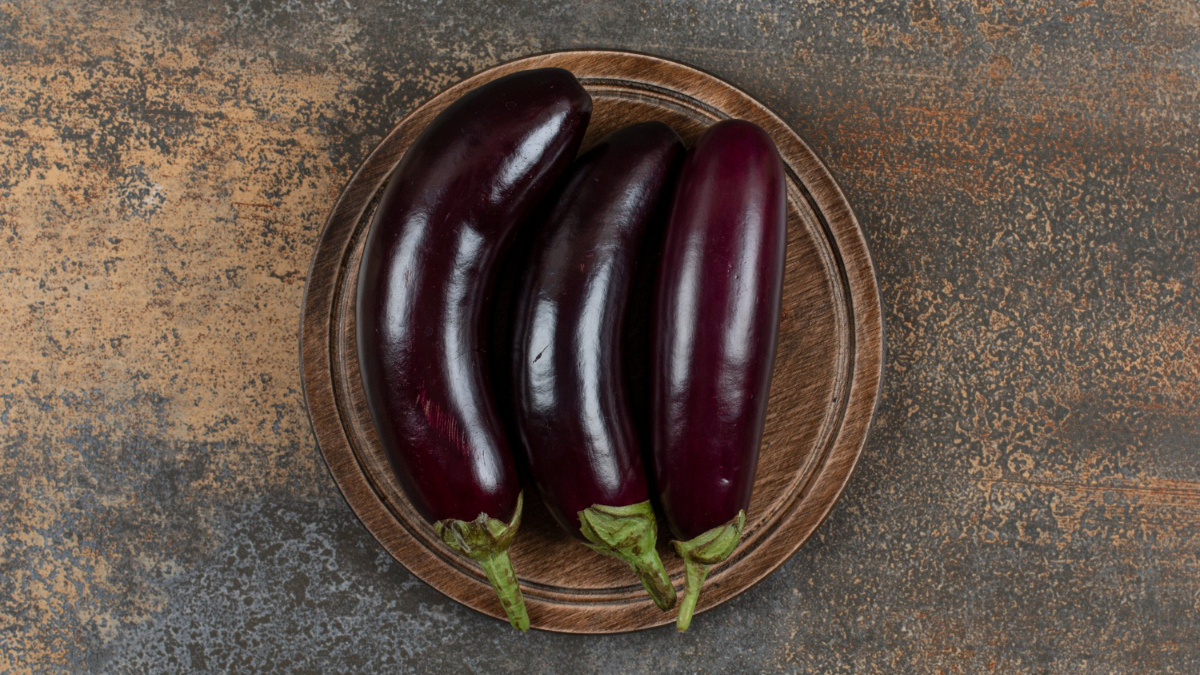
column 1028, row 175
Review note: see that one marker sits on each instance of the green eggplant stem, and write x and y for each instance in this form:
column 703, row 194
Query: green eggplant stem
column 630, row 533
column 695, row 573
column 486, row 540
column 499, row 571
column 699, row 554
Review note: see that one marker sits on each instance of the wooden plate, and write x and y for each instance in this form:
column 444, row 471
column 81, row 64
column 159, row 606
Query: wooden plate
column 826, row 381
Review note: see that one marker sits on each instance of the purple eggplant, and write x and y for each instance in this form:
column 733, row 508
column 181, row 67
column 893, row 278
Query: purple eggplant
column 569, row 387
column 715, row 328
column 474, row 173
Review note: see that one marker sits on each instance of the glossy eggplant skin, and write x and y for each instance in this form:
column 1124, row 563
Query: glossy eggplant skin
column 474, row 173
column 715, row 325
column 569, row 385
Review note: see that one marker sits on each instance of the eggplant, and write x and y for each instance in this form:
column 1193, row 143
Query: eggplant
column 715, row 328
column 569, row 387
column 475, row 172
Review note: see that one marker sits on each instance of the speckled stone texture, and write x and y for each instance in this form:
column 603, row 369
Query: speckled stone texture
column 1028, row 175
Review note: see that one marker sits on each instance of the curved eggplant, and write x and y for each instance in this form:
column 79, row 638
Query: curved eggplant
column 477, row 170
column 716, row 324
column 569, row 386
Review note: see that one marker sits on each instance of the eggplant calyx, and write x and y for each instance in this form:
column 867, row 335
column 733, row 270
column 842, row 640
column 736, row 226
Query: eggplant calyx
column 486, row 540
column 699, row 554
column 630, row 533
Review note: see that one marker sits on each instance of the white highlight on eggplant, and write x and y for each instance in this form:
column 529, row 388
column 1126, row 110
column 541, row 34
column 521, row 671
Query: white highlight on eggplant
column 462, row 363
column 683, row 325
column 400, row 290
column 526, row 156
column 591, row 365
column 540, row 369
column 740, row 312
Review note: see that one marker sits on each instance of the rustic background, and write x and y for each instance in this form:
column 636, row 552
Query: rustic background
column 1028, row 175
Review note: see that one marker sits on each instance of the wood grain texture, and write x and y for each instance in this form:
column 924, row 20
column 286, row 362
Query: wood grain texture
column 825, row 387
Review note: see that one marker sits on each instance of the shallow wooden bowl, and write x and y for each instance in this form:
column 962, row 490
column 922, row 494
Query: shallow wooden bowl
column 826, row 380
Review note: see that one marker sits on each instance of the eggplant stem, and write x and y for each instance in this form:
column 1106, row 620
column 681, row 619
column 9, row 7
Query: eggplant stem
column 630, row 533
column 486, row 540
column 699, row 555
column 696, row 573
column 499, row 571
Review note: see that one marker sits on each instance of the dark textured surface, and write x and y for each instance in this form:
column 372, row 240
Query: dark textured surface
column 1029, row 500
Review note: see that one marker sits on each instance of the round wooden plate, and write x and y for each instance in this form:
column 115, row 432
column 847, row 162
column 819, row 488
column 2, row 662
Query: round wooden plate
column 825, row 387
